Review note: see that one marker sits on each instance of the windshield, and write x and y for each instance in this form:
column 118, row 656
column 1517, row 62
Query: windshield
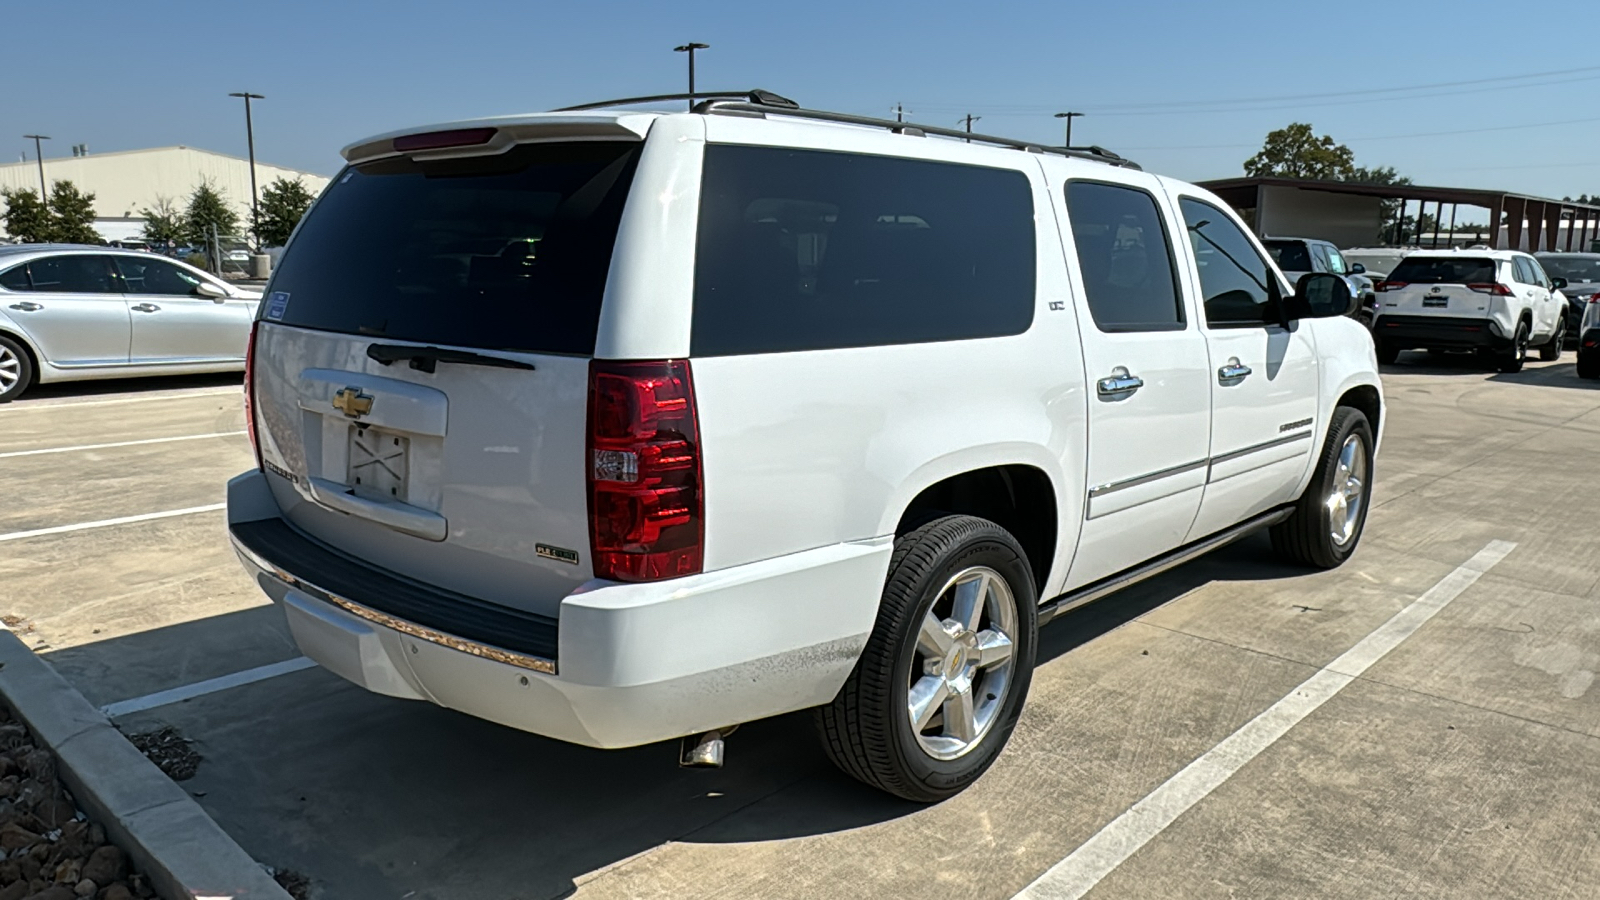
column 1444, row 270
column 508, row 252
column 1575, row 269
column 1291, row 256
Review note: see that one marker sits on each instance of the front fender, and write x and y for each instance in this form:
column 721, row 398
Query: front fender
column 1348, row 360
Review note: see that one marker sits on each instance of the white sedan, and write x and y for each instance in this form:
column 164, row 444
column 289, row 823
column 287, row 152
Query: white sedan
column 70, row 313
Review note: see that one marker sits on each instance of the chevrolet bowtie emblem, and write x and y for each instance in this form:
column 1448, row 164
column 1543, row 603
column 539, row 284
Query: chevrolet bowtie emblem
column 352, row 402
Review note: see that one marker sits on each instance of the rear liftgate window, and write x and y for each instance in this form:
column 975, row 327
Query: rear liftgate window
column 507, row 252
column 807, row 250
column 1434, row 270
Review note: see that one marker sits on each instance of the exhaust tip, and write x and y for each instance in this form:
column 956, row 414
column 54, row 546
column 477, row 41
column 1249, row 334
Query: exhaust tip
column 701, row 751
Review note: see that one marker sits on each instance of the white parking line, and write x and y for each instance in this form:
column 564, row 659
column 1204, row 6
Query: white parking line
column 201, row 688
column 24, row 406
column 124, row 520
column 1076, row 875
column 166, row 440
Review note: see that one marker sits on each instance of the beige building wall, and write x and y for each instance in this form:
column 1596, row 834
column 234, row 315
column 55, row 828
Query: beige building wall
column 126, row 182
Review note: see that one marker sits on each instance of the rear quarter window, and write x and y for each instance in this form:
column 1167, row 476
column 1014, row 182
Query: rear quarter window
column 809, row 250
column 508, row 252
column 1434, row 270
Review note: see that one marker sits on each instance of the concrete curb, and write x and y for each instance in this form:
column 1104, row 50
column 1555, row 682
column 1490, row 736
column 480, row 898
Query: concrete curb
column 167, row 835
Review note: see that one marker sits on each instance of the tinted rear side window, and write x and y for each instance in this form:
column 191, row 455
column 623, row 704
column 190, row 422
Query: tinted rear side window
column 1126, row 258
column 807, row 250
column 508, row 252
column 1436, row 270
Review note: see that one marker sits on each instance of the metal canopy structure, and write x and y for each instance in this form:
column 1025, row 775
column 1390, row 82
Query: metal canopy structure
column 1542, row 217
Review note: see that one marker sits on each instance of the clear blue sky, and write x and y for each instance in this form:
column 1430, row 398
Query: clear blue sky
column 120, row 75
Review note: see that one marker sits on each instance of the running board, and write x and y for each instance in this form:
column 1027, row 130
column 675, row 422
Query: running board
column 1128, row 577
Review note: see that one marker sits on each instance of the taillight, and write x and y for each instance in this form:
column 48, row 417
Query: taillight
column 250, row 392
column 1389, row 286
column 1497, row 289
column 646, row 503
column 1594, row 298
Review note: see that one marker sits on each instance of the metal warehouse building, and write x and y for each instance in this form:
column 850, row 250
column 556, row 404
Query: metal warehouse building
column 128, row 181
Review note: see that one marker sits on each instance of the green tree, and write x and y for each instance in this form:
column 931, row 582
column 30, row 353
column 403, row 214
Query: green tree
column 163, row 221
column 283, row 203
column 1297, row 152
column 208, row 208
column 73, row 211
column 27, row 218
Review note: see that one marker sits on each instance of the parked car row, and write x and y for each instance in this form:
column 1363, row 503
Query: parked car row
column 1496, row 303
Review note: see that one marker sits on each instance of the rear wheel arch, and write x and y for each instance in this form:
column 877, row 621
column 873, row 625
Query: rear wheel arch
column 1018, row 497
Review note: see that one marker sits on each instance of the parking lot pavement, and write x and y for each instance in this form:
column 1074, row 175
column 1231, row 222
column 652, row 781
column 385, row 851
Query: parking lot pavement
column 1457, row 763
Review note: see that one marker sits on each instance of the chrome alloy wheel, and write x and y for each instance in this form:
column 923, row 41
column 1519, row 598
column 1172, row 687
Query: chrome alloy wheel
column 1349, row 491
column 10, row 369
column 963, row 664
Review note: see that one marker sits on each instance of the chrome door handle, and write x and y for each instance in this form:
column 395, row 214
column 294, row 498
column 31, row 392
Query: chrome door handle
column 1233, row 371
column 145, row 307
column 1119, row 383
column 27, row 306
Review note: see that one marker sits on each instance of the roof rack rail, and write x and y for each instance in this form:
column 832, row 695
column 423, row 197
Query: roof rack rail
column 1098, row 154
column 760, row 102
column 765, row 99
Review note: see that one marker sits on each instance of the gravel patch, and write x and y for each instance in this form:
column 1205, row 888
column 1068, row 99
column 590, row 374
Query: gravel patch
column 48, row 849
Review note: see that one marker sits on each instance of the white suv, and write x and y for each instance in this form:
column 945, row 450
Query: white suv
column 619, row 427
column 1497, row 302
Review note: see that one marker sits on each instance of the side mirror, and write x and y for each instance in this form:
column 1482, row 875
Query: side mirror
column 1558, row 283
column 1357, row 269
column 207, row 289
column 1321, row 295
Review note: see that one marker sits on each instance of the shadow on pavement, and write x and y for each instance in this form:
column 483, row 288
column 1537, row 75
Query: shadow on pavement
column 376, row 797
column 1562, row 373
column 132, row 387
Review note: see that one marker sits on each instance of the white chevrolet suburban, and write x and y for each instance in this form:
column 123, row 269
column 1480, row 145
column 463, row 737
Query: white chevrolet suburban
column 620, row 427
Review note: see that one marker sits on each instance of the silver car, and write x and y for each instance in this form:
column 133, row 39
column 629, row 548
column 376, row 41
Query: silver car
column 70, row 312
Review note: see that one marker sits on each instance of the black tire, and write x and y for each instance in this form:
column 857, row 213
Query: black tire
column 1387, row 352
column 1511, row 359
column 1589, row 364
column 1551, row 351
column 14, row 358
column 867, row 730
column 1306, row 537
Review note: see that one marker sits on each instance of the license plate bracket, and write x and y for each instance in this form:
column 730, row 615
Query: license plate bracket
column 379, row 464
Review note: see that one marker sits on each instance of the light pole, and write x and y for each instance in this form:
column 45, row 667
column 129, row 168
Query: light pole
column 1069, row 116
column 690, row 48
column 38, row 154
column 250, row 140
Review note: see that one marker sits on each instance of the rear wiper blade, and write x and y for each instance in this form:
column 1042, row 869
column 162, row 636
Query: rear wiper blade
column 427, row 359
